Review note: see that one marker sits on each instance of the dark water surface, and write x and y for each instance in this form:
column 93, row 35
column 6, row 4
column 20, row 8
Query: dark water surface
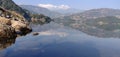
column 59, row 41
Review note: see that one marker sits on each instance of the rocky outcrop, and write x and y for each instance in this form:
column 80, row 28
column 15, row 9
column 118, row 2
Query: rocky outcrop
column 20, row 27
column 5, row 21
column 12, row 23
column 7, row 31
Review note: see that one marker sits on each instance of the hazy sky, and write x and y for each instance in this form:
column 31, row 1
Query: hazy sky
column 78, row 4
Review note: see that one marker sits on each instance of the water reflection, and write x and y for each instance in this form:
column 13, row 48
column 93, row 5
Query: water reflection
column 62, row 42
column 4, row 43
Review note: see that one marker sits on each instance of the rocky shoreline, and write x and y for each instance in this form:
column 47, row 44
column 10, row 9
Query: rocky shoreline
column 12, row 24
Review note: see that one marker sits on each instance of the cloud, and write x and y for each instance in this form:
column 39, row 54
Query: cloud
column 54, row 7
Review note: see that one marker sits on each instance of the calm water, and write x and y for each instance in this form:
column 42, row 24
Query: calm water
column 59, row 41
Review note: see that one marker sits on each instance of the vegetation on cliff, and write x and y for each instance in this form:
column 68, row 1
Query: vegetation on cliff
column 10, row 5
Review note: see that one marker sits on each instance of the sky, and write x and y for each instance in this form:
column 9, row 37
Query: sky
column 77, row 4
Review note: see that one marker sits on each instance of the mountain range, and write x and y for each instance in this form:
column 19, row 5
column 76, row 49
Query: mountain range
column 50, row 13
column 41, row 10
column 99, row 22
column 93, row 13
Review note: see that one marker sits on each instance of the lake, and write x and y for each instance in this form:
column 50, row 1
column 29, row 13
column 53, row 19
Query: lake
column 55, row 40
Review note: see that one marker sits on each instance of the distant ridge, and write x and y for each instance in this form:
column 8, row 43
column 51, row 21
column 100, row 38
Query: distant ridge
column 41, row 10
column 103, row 22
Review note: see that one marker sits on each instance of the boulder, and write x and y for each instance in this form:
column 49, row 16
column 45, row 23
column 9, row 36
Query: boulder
column 20, row 27
column 35, row 33
column 7, row 31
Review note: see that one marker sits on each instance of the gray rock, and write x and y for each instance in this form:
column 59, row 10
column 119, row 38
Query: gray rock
column 35, row 33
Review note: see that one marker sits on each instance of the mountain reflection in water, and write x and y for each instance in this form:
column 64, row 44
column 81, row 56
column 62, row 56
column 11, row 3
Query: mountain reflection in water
column 58, row 41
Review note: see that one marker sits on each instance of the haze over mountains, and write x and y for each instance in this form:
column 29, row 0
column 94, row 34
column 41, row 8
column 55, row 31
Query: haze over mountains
column 40, row 10
column 53, row 13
